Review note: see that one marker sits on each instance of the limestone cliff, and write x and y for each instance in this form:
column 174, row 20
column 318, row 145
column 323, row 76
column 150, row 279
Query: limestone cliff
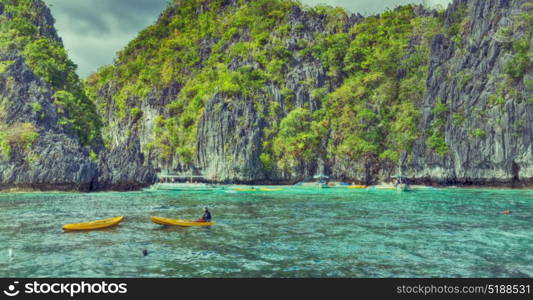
column 50, row 135
column 269, row 91
column 487, row 123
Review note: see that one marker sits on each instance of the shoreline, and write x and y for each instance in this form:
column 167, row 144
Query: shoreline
column 18, row 190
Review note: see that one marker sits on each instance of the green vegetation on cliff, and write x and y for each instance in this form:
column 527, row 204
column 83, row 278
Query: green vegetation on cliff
column 522, row 59
column 368, row 111
column 24, row 30
column 19, row 136
column 325, row 86
column 374, row 113
column 169, row 52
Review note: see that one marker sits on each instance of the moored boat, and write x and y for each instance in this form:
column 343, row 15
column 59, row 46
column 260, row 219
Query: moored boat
column 245, row 189
column 357, row 186
column 401, row 187
column 384, row 187
column 185, row 187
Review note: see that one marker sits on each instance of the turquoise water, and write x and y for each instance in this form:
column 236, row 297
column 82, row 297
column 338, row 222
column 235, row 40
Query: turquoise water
column 296, row 232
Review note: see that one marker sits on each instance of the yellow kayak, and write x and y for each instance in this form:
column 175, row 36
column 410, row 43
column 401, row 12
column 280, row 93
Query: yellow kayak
column 358, row 187
column 100, row 224
column 174, row 222
column 270, row 190
column 246, row 190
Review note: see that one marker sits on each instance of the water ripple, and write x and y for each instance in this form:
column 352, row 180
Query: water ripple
column 296, row 232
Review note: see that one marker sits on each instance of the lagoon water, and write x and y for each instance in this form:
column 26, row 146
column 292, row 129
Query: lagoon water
column 297, row 232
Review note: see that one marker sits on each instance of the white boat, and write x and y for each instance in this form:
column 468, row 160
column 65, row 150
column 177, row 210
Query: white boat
column 323, row 185
column 383, row 187
column 185, row 187
column 421, row 187
column 401, row 187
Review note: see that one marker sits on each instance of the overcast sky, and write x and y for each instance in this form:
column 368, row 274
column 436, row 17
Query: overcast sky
column 94, row 30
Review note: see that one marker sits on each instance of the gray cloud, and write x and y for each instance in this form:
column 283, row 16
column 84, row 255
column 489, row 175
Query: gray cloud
column 94, row 30
column 102, row 16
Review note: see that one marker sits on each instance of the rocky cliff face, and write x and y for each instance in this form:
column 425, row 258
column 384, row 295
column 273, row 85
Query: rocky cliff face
column 487, row 121
column 226, row 139
column 267, row 91
column 233, row 129
column 237, row 123
column 459, row 112
column 49, row 136
column 36, row 151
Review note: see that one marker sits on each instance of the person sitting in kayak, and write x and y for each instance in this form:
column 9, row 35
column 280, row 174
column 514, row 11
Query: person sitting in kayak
column 206, row 217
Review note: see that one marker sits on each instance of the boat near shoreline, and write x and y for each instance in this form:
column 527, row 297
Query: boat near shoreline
column 234, row 188
column 185, row 187
column 200, row 187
